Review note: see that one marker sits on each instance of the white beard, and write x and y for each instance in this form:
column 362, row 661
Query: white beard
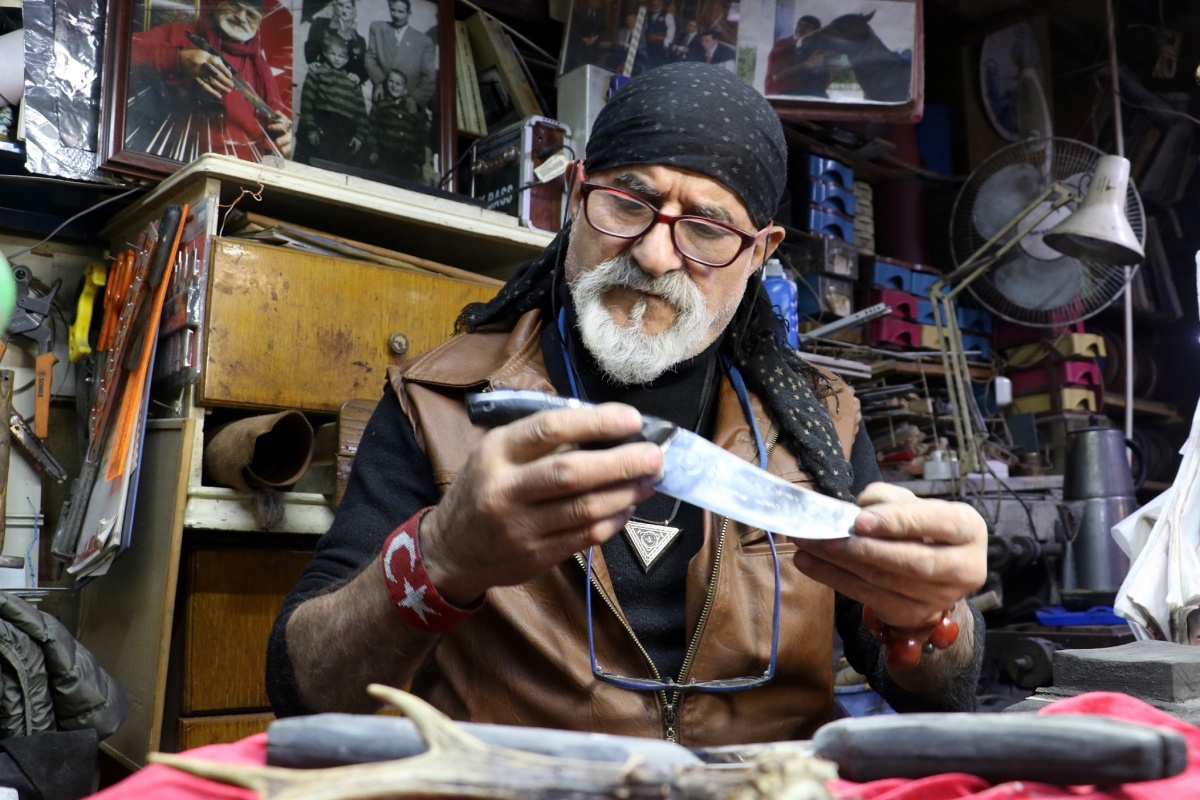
column 625, row 353
column 233, row 30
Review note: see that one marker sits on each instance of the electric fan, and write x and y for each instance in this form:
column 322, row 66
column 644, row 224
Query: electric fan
column 1032, row 283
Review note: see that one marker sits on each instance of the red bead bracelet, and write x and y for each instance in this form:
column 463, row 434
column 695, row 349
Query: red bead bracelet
column 904, row 650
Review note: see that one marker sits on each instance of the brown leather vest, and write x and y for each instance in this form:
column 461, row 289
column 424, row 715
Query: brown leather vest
column 523, row 658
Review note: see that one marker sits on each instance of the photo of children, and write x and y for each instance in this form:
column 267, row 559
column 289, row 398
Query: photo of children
column 371, row 102
column 332, row 118
column 398, row 130
column 603, row 33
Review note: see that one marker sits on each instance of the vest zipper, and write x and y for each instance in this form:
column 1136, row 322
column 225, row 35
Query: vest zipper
column 670, row 711
column 708, row 601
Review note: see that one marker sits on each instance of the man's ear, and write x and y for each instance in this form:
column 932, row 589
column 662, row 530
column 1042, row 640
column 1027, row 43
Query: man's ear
column 575, row 197
column 768, row 245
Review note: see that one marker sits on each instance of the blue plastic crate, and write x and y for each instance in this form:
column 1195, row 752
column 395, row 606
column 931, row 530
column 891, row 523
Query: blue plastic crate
column 924, row 310
column 826, row 169
column 893, row 276
column 832, row 196
column 980, row 343
column 975, row 320
column 1097, row 615
column 921, row 281
column 822, row 220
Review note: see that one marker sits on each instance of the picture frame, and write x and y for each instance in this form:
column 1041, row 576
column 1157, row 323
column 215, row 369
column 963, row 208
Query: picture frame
column 862, row 60
column 600, row 32
column 158, row 113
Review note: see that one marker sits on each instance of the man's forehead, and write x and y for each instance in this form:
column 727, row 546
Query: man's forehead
column 693, row 189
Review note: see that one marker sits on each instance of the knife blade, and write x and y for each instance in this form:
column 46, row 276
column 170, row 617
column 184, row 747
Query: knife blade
column 699, row 472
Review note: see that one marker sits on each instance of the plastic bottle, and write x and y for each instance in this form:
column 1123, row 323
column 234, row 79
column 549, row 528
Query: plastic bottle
column 782, row 291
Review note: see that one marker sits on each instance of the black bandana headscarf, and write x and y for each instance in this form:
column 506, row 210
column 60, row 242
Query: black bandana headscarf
column 704, row 119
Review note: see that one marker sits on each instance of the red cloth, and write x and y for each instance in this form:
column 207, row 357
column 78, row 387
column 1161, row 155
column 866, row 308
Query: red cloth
column 1111, row 704
column 160, row 783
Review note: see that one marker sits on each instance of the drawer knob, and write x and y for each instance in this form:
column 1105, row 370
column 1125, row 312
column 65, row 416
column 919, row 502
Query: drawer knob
column 399, row 343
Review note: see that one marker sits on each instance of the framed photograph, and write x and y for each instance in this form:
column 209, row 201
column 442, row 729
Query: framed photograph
column 606, row 33
column 848, row 59
column 349, row 85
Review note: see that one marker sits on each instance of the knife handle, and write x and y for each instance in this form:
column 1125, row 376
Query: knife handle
column 1064, row 749
column 492, row 409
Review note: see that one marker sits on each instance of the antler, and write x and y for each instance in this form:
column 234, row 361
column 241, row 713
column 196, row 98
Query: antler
column 459, row 765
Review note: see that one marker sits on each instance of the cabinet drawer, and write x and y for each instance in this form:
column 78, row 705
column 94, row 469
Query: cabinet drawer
column 287, row 329
column 201, row 731
column 233, row 597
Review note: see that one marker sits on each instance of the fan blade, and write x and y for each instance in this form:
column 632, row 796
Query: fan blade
column 1003, row 196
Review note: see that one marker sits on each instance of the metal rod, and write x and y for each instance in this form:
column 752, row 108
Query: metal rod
column 1118, row 130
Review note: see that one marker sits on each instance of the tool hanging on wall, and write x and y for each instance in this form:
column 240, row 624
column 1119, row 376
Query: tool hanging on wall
column 29, row 320
column 130, row 321
column 6, row 392
column 94, row 276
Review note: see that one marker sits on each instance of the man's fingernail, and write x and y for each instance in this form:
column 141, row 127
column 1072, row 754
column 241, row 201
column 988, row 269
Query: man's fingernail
column 866, row 522
column 631, row 417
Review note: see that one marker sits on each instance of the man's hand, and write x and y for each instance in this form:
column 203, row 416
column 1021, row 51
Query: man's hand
column 212, row 75
column 525, row 499
column 280, row 128
column 910, row 560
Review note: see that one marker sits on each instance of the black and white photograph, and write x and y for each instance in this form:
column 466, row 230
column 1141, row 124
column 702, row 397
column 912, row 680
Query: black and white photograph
column 629, row 37
column 367, row 87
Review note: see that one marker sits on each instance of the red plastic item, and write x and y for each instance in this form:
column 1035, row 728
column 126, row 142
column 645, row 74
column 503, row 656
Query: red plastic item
column 894, row 332
column 1069, row 373
column 903, row 304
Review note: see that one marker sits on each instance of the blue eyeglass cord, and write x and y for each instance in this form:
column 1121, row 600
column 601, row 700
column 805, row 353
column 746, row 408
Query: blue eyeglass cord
column 739, row 386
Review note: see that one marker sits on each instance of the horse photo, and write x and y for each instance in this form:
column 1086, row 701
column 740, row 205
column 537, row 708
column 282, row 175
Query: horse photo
column 884, row 74
column 837, row 51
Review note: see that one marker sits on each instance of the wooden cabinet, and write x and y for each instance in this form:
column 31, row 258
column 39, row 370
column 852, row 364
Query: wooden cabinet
column 283, row 329
column 324, row 323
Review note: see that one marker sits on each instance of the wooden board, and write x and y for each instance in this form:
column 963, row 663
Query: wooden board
column 201, row 731
column 125, row 616
column 233, row 596
column 288, row 329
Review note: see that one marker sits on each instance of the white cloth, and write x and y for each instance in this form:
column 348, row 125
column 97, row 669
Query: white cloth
column 1160, row 597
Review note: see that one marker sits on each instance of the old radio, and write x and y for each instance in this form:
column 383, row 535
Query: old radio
column 510, row 172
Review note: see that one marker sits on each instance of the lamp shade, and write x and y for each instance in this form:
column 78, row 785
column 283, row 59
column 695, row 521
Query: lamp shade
column 1098, row 230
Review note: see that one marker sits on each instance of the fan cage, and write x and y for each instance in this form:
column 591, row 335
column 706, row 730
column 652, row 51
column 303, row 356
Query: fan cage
column 1020, row 288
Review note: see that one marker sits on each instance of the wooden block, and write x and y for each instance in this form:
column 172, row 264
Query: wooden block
column 1072, row 400
column 287, row 329
column 1073, row 345
column 233, row 596
column 201, row 731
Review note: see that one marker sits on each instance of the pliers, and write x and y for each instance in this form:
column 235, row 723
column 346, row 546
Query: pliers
column 29, row 320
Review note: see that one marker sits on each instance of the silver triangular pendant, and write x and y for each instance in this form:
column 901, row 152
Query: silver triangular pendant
column 649, row 541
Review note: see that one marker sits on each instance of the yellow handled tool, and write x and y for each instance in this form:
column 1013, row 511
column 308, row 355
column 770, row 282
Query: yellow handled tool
column 94, row 276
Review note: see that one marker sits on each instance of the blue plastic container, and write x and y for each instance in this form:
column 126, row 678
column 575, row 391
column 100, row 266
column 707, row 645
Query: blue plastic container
column 782, row 291
column 826, row 169
column 921, row 281
column 1098, row 615
column 860, row 700
column 822, row 220
column 893, row 276
column 832, row 196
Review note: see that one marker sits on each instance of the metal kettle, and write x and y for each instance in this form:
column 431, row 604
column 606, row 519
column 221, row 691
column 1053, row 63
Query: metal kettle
column 1098, row 492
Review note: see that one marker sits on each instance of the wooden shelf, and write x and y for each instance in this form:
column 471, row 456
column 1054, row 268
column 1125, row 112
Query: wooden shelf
column 1151, row 407
column 1156, row 486
column 897, row 367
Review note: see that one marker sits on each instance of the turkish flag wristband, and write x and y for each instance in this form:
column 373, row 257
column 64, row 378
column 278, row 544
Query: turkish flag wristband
column 411, row 592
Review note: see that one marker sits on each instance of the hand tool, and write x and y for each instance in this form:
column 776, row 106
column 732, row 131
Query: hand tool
column 699, row 472
column 29, row 320
column 78, row 343
column 6, row 390
column 43, row 459
column 1063, row 749
column 245, row 88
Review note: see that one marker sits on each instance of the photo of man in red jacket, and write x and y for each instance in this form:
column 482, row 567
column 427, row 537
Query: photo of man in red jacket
column 209, row 85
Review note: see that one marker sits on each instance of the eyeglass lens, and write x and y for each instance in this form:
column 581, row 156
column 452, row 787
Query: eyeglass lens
column 618, row 214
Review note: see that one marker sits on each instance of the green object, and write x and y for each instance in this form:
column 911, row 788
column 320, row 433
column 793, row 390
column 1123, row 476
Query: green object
column 8, row 292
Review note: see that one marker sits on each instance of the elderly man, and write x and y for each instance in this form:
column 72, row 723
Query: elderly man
column 396, row 45
column 794, row 67
column 198, row 109
column 458, row 558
